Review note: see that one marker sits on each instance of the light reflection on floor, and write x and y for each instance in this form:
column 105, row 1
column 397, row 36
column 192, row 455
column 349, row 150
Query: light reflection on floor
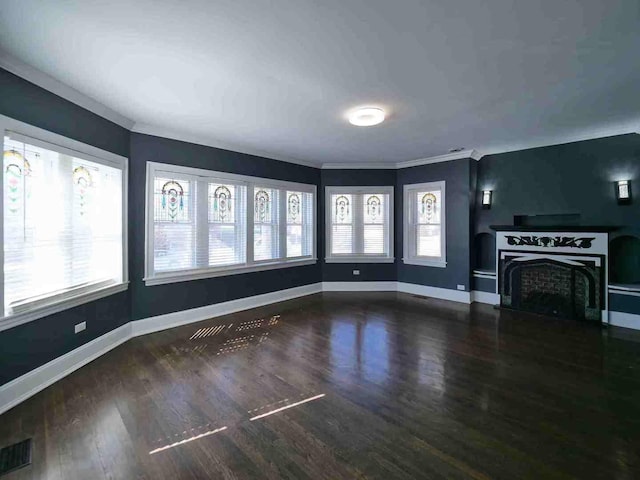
column 285, row 406
column 362, row 348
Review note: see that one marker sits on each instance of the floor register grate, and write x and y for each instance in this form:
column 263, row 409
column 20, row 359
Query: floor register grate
column 15, row 456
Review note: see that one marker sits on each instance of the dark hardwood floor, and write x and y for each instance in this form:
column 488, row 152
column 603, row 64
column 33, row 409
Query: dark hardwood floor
column 346, row 385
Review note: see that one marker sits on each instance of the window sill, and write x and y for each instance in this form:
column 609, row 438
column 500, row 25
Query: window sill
column 59, row 306
column 175, row 277
column 425, row 263
column 362, row 259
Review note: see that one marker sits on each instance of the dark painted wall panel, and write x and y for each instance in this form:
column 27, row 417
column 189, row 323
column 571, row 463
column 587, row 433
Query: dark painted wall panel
column 484, row 284
column 343, row 272
column 574, row 178
column 31, row 104
column 28, row 346
column 458, row 176
column 161, row 299
column 624, row 303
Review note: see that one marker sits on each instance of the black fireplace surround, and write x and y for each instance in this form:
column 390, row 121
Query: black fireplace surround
column 556, row 285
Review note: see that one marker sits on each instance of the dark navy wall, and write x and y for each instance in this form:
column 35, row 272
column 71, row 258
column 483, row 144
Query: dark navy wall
column 31, row 104
column 343, row 272
column 161, row 299
column 574, row 178
column 459, row 176
column 28, row 346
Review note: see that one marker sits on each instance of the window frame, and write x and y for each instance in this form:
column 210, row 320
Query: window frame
column 410, row 256
column 358, row 225
column 249, row 182
column 71, row 298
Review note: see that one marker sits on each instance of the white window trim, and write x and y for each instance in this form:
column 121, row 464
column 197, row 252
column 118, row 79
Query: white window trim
column 44, row 138
column 358, row 258
column 160, row 278
column 408, row 258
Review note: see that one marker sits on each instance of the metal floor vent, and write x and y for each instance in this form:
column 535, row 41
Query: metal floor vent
column 15, row 456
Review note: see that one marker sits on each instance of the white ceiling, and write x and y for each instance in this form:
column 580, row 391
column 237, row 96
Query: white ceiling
column 277, row 76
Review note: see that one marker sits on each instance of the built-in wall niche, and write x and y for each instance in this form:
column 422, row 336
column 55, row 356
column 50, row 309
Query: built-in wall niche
column 484, row 262
column 624, row 263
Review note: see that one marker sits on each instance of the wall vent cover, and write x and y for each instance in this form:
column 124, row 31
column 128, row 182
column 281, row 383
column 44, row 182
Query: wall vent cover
column 15, row 456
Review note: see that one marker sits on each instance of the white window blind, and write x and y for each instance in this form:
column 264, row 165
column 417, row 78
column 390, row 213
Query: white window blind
column 266, row 219
column 174, row 223
column 63, row 224
column 227, row 224
column 300, row 223
column 359, row 224
column 211, row 223
column 424, row 224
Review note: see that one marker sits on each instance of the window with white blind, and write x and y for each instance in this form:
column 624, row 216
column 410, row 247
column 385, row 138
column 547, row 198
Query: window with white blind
column 64, row 224
column 359, row 224
column 424, row 224
column 203, row 224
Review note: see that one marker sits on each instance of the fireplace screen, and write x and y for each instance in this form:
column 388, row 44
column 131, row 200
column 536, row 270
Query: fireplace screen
column 559, row 286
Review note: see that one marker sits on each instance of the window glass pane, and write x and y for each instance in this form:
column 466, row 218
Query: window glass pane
column 299, row 224
column 294, row 208
column 226, row 224
column 294, row 241
column 174, row 226
column 342, row 239
column 374, row 208
column 342, row 208
column 308, row 206
column 62, row 224
column 342, row 217
column 428, row 206
column 428, row 240
column 374, row 223
column 374, row 239
column 265, row 218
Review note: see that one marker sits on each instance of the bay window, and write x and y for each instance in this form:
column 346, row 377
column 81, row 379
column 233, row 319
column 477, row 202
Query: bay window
column 203, row 223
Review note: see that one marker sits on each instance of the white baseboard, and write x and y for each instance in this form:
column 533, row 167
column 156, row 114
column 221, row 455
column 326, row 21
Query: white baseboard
column 423, row 290
column 21, row 388
column 622, row 319
column 435, row 292
column 485, row 297
column 359, row 286
column 183, row 317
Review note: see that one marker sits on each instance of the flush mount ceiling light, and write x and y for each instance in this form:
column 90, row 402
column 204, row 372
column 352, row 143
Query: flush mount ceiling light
column 366, row 117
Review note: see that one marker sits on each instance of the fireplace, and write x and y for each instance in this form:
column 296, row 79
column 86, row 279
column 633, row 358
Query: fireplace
column 554, row 273
column 558, row 287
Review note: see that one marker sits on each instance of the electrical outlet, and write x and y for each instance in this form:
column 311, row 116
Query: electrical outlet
column 80, row 327
column 460, row 287
column 356, row 272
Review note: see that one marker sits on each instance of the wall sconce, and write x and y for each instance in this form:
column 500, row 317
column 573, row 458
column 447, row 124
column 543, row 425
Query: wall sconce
column 486, row 199
column 623, row 192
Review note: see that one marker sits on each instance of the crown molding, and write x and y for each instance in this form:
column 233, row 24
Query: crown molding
column 474, row 154
column 594, row 133
column 211, row 142
column 358, row 166
column 43, row 80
